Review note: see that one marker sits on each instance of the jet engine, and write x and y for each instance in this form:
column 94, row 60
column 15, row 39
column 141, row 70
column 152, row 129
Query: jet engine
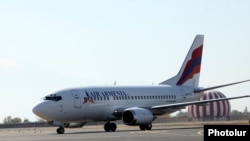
column 74, row 124
column 137, row 116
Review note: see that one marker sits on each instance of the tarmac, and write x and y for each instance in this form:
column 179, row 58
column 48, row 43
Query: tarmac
column 192, row 131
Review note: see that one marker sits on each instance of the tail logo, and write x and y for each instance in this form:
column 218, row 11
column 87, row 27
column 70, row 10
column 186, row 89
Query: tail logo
column 192, row 67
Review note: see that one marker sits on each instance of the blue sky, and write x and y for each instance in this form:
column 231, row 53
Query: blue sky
column 54, row 44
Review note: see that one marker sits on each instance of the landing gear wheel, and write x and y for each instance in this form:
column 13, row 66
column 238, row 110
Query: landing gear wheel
column 145, row 126
column 60, row 130
column 110, row 127
column 149, row 126
column 107, row 126
column 142, row 127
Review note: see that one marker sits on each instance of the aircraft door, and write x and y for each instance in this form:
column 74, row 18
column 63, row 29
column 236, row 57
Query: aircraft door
column 183, row 95
column 77, row 98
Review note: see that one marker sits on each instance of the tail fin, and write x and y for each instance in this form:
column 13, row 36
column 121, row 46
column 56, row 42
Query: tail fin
column 189, row 73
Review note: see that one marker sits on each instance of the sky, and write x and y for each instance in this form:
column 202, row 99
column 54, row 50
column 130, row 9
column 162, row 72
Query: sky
column 50, row 45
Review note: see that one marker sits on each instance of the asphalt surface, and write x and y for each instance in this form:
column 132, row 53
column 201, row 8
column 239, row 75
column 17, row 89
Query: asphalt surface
column 96, row 133
column 160, row 132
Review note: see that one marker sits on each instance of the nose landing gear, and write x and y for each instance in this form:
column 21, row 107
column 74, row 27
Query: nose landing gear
column 60, row 130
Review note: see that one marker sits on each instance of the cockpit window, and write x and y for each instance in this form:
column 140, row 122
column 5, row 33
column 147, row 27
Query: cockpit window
column 52, row 97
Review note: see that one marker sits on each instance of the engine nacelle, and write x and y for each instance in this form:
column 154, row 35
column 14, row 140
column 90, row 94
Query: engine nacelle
column 137, row 116
column 74, row 125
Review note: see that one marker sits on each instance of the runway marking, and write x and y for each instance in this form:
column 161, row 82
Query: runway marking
column 164, row 132
column 200, row 132
column 63, row 137
column 142, row 132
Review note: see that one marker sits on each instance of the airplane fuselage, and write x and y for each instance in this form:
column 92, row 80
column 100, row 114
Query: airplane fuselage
column 103, row 103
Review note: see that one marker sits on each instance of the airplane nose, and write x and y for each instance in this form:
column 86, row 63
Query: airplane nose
column 38, row 110
column 42, row 111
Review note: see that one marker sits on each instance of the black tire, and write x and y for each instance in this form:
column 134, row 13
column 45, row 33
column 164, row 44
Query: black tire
column 142, row 127
column 107, row 127
column 149, row 127
column 112, row 127
column 60, row 130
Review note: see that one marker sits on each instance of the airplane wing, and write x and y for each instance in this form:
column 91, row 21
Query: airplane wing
column 219, row 86
column 159, row 107
column 200, row 102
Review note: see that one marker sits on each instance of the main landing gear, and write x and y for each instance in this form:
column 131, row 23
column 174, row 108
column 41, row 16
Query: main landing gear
column 60, row 130
column 110, row 127
column 146, row 126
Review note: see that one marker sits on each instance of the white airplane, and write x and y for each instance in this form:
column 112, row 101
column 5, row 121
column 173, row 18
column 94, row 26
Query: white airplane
column 134, row 105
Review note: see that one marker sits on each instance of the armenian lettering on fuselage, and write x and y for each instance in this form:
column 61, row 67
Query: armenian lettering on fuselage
column 105, row 93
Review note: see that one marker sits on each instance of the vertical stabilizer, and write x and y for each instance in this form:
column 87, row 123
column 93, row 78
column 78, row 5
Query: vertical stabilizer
column 189, row 73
